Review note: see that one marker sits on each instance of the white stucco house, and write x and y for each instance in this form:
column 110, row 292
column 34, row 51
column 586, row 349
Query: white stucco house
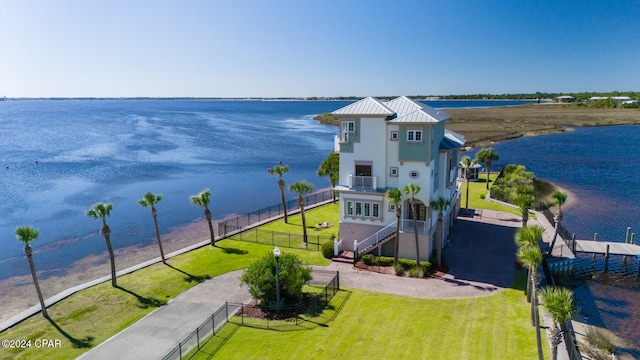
column 385, row 145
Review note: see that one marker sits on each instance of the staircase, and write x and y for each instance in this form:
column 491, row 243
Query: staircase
column 345, row 256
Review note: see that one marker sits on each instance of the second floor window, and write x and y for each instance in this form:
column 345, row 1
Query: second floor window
column 414, row 135
column 348, row 127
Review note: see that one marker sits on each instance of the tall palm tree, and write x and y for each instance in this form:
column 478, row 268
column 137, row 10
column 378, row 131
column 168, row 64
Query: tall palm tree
column 302, row 188
column 487, row 156
column 531, row 257
column 26, row 235
column 528, row 237
column 395, row 198
column 466, row 163
column 558, row 302
column 280, row 170
column 560, row 198
column 151, row 200
column 102, row 211
column 202, row 199
column 412, row 190
column 331, row 167
column 524, row 199
column 440, row 206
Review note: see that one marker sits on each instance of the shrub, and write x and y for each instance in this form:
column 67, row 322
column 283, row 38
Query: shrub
column 417, row 272
column 260, row 277
column 385, row 261
column 369, row 259
column 600, row 345
column 327, row 249
column 399, row 269
column 406, row 264
column 483, row 196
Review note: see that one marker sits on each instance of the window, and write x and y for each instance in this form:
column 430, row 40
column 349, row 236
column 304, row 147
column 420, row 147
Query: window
column 363, row 209
column 414, row 135
column 414, row 174
column 395, row 135
column 363, row 170
column 393, row 171
column 348, row 127
column 392, row 207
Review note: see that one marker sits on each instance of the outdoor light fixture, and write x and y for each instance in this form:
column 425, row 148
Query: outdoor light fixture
column 276, row 253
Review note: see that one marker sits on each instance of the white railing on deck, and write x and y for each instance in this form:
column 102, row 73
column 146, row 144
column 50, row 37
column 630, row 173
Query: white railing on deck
column 407, row 226
column 377, row 237
column 366, row 182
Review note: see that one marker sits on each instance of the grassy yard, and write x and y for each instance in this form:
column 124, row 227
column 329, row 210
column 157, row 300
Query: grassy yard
column 91, row 316
column 277, row 232
column 372, row 325
column 478, row 189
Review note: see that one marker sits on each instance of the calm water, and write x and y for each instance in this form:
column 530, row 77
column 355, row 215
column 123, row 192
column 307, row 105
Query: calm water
column 601, row 166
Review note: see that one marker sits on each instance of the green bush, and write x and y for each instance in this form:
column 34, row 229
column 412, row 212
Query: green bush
column 417, row 272
column 385, row 261
column 327, row 249
column 406, row 264
column 399, row 269
column 260, row 277
column 483, row 196
column 369, row 259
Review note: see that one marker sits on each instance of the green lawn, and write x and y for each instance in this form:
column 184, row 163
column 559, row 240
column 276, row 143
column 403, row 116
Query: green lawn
column 277, row 232
column 91, row 316
column 372, row 325
column 478, row 188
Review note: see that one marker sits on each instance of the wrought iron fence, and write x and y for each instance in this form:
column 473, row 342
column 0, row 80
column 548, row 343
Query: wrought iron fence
column 292, row 315
column 281, row 239
column 198, row 337
column 241, row 221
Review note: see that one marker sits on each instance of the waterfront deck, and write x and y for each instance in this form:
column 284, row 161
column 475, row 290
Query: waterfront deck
column 600, row 247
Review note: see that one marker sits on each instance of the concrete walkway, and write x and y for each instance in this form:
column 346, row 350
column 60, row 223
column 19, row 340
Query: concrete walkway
column 153, row 336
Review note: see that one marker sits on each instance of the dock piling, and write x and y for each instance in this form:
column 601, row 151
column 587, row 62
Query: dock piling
column 606, row 260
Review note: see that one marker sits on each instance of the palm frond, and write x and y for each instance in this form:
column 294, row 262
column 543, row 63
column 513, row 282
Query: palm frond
column 27, row 234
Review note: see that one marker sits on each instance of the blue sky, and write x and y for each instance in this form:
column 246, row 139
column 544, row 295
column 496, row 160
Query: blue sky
column 236, row 48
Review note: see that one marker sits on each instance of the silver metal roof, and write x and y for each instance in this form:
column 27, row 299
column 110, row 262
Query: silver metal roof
column 366, row 107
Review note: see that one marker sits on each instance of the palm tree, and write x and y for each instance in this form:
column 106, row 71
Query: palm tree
column 523, row 198
column 528, row 237
column 26, row 235
column 151, row 200
column 102, row 211
column 331, row 167
column 440, row 206
column 395, row 198
column 487, row 156
column 560, row 198
column 558, row 302
column 531, row 257
column 280, row 170
column 412, row 190
column 202, row 199
column 466, row 163
column 302, row 188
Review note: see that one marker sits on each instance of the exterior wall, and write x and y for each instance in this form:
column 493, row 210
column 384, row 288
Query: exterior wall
column 355, row 231
column 414, row 151
column 392, row 157
column 366, row 147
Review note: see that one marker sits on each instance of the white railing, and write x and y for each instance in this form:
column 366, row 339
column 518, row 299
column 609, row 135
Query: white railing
column 337, row 247
column 407, row 226
column 366, row 182
column 336, row 144
column 376, row 238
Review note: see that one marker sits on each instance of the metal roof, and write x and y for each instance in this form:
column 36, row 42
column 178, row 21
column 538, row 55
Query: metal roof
column 366, row 107
column 399, row 110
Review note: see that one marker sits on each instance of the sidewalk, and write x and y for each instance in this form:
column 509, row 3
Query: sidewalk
column 153, row 336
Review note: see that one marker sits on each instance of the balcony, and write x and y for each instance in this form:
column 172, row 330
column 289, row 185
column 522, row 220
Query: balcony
column 407, row 226
column 363, row 182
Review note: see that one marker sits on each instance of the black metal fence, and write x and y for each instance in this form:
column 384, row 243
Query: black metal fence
column 241, row 221
column 281, row 239
column 568, row 239
column 199, row 336
column 294, row 315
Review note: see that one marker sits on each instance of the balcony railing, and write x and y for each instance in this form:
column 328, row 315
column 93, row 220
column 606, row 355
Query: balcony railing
column 365, row 182
column 407, row 226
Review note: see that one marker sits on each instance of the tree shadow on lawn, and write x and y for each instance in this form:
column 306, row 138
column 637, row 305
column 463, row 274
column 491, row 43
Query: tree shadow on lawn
column 144, row 302
column 230, row 250
column 190, row 277
column 84, row 343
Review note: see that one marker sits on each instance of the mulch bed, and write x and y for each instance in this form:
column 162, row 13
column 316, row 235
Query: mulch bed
column 434, row 272
column 257, row 312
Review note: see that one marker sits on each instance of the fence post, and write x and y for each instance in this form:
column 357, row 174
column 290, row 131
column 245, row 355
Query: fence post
column 213, row 323
column 338, row 279
column 198, row 337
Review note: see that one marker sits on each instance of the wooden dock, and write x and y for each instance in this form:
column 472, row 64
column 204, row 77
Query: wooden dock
column 600, row 247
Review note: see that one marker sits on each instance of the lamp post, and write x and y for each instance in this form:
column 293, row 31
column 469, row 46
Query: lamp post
column 276, row 253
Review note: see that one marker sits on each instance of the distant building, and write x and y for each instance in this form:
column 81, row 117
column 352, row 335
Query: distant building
column 566, row 99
